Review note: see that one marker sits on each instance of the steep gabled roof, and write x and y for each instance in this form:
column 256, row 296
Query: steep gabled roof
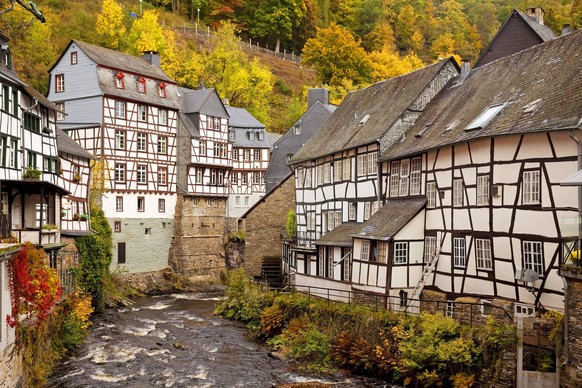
column 518, row 32
column 310, row 122
column 118, row 60
column 241, row 118
column 392, row 217
column 204, row 101
column 541, row 88
column 367, row 114
column 67, row 145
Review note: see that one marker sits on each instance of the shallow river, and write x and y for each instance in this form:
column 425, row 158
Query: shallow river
column 175, row 341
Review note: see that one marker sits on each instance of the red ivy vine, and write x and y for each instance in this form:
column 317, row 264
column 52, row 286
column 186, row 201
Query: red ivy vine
column 34, row 286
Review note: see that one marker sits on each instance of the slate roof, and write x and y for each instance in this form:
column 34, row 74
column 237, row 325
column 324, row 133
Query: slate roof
column 189, row 124
column 544, row 32
column 341, row 235
column 384, row 102
column 313, row 118
column 67, row 145
column 241, row 118
column 518, row 32
column 392, row 217
column 205, row 101
column 118, row 60
column 549, row 74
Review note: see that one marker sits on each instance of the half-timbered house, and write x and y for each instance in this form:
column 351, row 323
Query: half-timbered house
column 251, row 153
column 336, row 171
column 492, row 149
column 521, row 30
column 75, row 175
column 30, row 191
column 123, row 109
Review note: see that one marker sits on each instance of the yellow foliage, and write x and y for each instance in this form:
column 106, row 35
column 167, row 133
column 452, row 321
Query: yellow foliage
column 146, row 34
column 110, row 24
column 388, row 64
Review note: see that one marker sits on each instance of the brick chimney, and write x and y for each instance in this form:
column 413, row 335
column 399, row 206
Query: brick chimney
column 537, row 13
column 152, row 57
column 317, row 94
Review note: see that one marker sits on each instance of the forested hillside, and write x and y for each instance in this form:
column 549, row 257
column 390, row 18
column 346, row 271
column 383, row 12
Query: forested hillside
column 346, row 44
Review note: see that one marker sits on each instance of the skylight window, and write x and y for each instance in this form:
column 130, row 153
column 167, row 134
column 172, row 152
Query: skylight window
column 364, row 119
column 532, row 106
column 485, row 117
column 450, row 126
column 423, row 130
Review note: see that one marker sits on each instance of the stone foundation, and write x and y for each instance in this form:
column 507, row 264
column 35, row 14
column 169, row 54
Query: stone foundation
column 10, row 367
column 197, row 250
column 571, row 372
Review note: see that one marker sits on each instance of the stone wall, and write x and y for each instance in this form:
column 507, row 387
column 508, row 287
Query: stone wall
column 571, row 372
column 265, row 224
column 197, row 250
column 10, row 367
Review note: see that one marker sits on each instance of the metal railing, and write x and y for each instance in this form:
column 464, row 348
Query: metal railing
column 466, row 312
column 307, row 239
column 205, row 32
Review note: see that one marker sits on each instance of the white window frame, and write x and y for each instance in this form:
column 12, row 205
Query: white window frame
column 161, row 205
column 362, row 165
column 400, row 252
column 59, row 83
column 459, row 252
column 430, row 246
column 118, row 204
column 235, row 154
column 202, row 148
column 120, row 172
column 142, row 142
column 482, row 190
column 162, row 176
column 533, row 256
column 142, row 172
column 458, row 192
column 352, row 211
column 372, row 163
column 404, row 173
column 120, row 109
column 162, row 145
column 367, row 209
column 415, row 175
column 485, row 118
column 141, row 204
column 431, row 194
column 163, row 116
column 119, row 139
column 347, row 168
column 256, row 155
column 531, row 187
column 394, row 179
column 365, row 250
column 337, row 171
column 483, row 254
column 142, row 113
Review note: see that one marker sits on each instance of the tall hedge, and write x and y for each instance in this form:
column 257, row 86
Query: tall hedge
column 95, row 252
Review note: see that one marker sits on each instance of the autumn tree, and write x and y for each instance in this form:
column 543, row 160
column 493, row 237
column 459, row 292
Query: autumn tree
column 146, row 34
column 245, row 83
column 335, row 54
column 183, row 64
column 388, row 63
column 110, row 25
column 277, row 19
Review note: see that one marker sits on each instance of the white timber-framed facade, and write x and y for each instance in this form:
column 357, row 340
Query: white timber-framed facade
column 124, row 110
column 469, row 197
column 337, row 172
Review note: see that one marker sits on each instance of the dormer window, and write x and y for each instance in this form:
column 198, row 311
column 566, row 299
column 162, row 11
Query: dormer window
column 485, row 117
column 162, row 90
column 141, row 85
column 119, row 80
column 251, row 135
column 297, row 129
column 6, row 55
column 261, row 135
column 231, row 134
column 74, row 58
